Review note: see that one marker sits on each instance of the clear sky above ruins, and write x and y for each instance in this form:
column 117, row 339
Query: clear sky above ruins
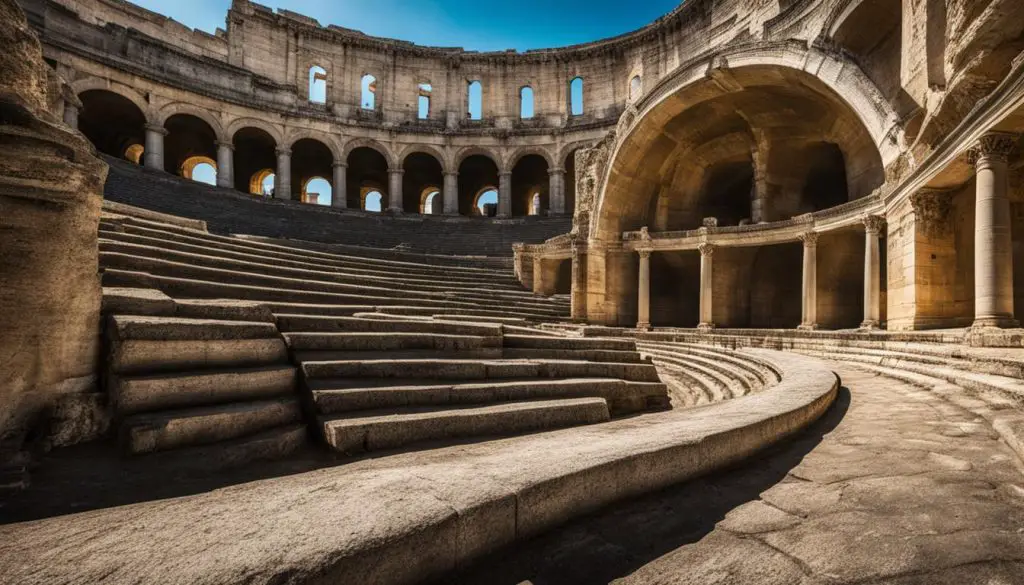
column 483, row 25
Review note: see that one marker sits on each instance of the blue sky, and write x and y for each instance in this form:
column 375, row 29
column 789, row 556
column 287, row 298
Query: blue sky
column 471, row 24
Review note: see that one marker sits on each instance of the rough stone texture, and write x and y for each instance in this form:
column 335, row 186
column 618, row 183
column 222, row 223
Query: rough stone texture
column 894, row 485
column 50, row 193
column 406, row 518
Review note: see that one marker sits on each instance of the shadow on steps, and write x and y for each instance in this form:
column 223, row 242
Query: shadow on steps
column 615, row 542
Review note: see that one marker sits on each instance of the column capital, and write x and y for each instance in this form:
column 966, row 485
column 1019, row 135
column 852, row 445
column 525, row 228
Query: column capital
column 502, row 174
column 451, row 173
column 993, row 146
column 644, row 253
column 283, row 151
column 810, row 239
column 932, row 206
column 556, row 171
column 706, row 249
column 223, row 144
column 873, row 223
column 157, row 129
column 396, row 171
column 339, row 164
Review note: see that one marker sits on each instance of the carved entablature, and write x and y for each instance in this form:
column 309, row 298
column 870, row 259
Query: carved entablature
column 993, row 146
column 932, row 208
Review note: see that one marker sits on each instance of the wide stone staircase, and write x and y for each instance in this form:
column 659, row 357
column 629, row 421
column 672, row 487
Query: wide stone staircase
column 244, row 343
column 227, row 211
column 698, row 374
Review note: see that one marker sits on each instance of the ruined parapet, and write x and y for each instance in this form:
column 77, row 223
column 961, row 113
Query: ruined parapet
column 50, row 197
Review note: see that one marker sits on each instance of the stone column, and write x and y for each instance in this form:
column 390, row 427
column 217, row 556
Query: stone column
column 872, row 273
column 556, row 191
column 154, row 153
column 451, row 193
column 505, row 194
column 339, row 192
column 225, row 165
column 759, row 187
column 643, row 309
column 809, row 322
column 283, row 175
column 707, row 320
column 578, row 294
column 395, row 190
column 71, row 112
column 993, row 247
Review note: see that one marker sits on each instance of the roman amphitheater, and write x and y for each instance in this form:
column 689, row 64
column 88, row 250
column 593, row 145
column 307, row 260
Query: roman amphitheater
column 729, row 299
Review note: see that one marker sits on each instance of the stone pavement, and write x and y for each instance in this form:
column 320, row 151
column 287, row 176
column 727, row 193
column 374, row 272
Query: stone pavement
column 894, row 485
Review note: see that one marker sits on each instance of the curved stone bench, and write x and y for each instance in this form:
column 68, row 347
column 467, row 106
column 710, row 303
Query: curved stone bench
column 407, row 518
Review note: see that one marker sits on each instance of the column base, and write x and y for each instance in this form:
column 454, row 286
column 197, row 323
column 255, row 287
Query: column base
column 706, row 327
column 807, row 327
column 870, row 325
column 643, row 326
column 995, row 323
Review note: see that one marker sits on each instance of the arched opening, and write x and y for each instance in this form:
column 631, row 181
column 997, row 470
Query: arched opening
column 112, row 122
column 261, row 183
column 431, row 202
column 530, row 178
column 486, row 202
column 317, row 85
column 423, row 104
column 535, row 204
column 475, row 101
column 367, row 173
column 317, row 191
column 635, row 88
column 770, row 144
column 477, row 173
column 576, row 96
column 526, row 103
column 422, row 171
column 368, row 99
column 187, row 136
column 134, row 153
column 311, row 159
column 201, row 169
column 371, row 200
column 255, row 155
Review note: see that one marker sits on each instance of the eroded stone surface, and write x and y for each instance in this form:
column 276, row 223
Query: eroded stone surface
column 875, row 493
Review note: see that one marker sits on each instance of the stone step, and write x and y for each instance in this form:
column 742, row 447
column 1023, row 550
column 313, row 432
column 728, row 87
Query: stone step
column 718, row 387
column 622, row 397
column 166, row 233
column 733, row 373
column 139, row 344
column 390, row 429
column 126, row 242
column 705, row 390
column 134, row 394
column 148, row 259
column 967, row 359
column 592, row 355
column 466, row 369
column 485, row 353
column 377, row 341
column 365, row 289
column 191, row 288
column 558, row 343
column 764, row 371
column 173, row 429
column 310, row 323
column 153, row 303
column 275, row 443
column 1001, row 390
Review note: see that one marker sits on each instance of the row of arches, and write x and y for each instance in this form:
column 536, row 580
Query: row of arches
column 250, row 159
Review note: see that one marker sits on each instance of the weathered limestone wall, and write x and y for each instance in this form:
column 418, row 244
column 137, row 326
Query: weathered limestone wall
column 840, row 280
column 50, row 195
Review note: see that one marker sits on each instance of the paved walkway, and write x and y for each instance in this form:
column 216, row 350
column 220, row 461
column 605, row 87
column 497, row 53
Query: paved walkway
column 894, row 485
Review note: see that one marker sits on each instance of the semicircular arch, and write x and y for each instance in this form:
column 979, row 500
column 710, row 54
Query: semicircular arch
column 239, row 124
column 371, row 144
column 425, row 149
column 96, row 83
column 175, row 108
